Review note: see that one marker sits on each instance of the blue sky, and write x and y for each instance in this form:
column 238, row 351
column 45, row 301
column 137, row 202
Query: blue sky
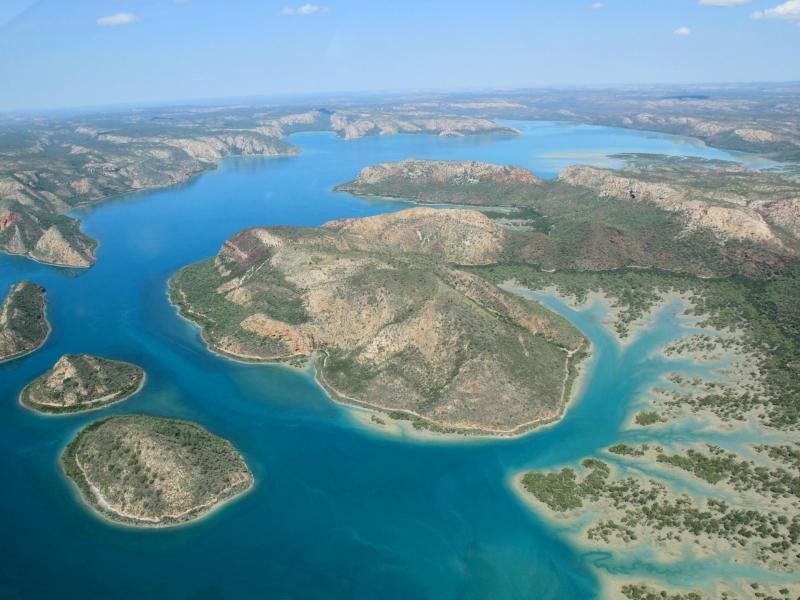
column 59, row 53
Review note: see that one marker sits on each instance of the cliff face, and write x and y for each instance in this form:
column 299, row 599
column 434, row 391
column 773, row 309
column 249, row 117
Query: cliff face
column 400, row 327
column 80, row 382
column 23, row 325
column 47, row 238
column 734, row 203
column 354, row 124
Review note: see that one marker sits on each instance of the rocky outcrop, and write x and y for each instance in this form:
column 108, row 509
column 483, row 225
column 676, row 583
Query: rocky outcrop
column 23, row 323
column 81, row 382
column 352, row 125
column 728, row 221
column 398, row 325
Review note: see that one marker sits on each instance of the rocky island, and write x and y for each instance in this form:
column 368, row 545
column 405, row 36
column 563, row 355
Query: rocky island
column 398, row 325
column 81, row 382
column 153, row 472
column 23, row 321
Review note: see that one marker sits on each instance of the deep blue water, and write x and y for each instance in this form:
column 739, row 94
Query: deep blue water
column 337, row 511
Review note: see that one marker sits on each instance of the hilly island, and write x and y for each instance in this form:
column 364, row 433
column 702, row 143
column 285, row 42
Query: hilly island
column 400, row 327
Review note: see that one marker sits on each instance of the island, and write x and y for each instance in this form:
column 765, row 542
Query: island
column 147, row 471
column 397, row 323
column 23, row 321
column 80, row 383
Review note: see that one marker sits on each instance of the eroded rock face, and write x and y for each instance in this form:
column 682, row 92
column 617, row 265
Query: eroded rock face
column 153, row 472
column 729, row 221
column 51, row 239
column 399, row 326
column 352, row 125
column 23, row 324
column 81, row 382
column 458, row 172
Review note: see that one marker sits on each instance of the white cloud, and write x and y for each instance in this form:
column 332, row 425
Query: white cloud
column 597, row 6
column 683, row 31
column 305, row 9
column 724, row 2
column 118, row 19
column 788, row 11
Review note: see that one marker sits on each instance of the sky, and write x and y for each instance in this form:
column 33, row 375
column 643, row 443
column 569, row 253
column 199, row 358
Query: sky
column 81, row 53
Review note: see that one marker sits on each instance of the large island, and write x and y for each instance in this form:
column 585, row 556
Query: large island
column 398, row 325
column 153, row 472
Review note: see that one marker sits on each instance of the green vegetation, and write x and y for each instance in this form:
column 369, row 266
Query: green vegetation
column 23, row 321
column 151, row 471
column 718, row 465
column 647, row 417
column 562, row 491
column 644, row 592
column 80, row 382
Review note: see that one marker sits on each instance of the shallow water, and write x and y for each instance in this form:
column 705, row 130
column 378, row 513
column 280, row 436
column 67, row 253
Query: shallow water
column 337, row 511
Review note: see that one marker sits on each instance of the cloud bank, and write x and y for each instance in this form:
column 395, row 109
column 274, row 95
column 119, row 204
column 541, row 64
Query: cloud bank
column 788, row 11
column 117, row 19
column 304, row 10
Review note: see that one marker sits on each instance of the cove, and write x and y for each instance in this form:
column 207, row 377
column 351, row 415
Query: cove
column 337, row 511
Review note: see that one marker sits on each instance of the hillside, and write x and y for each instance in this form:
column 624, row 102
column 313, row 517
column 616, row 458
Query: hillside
column 707, row 218
column 23, row 322
column 398, row 325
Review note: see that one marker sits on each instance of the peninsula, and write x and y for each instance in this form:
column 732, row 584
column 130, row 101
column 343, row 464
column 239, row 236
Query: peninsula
column 153, row 472
column 81, row 382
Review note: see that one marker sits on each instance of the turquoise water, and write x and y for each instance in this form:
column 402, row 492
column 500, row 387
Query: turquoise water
column 337, row 511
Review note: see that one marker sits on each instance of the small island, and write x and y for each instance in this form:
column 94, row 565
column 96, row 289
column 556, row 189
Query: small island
column 23, row 322
column 150, row 471
column 81, row 382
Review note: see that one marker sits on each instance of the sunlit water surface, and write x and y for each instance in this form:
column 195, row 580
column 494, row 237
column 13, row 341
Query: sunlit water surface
column 338, row 511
